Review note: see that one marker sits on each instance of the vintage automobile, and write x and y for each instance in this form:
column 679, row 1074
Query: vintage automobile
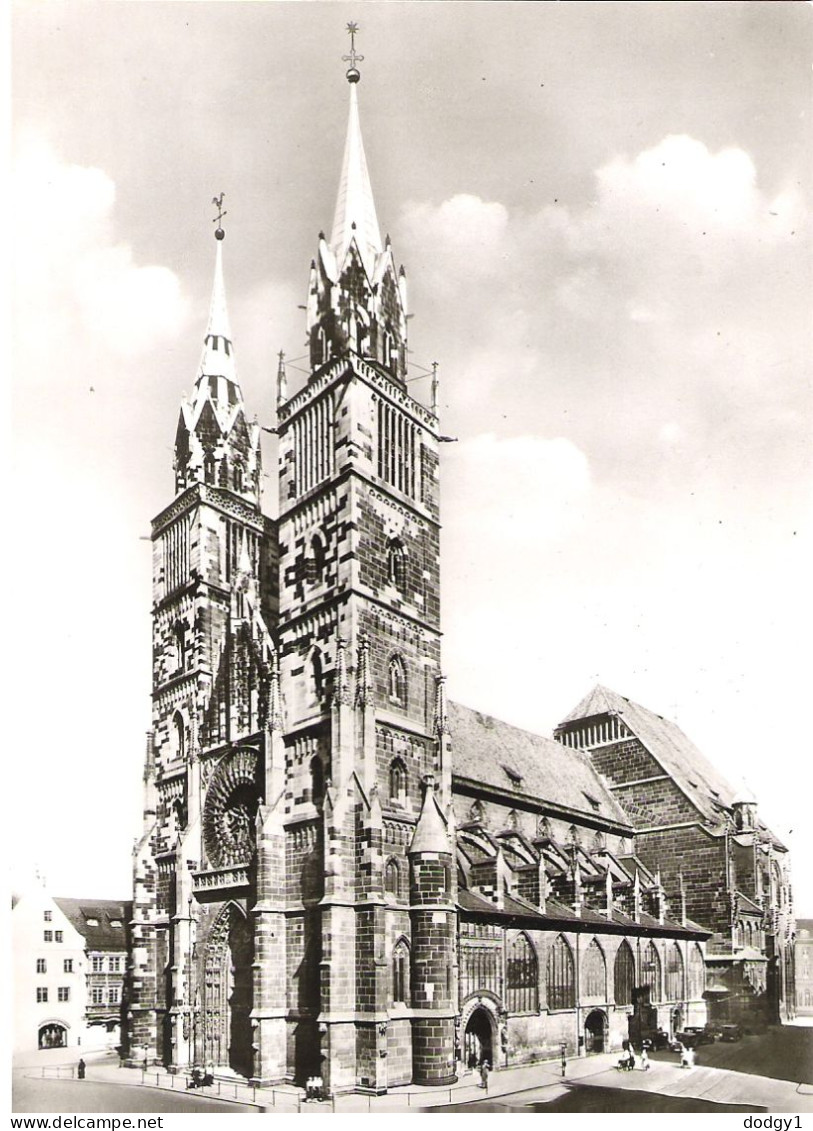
column 691, row 1037
column 730, row 1033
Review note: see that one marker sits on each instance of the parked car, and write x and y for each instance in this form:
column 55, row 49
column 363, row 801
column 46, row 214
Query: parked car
column 731, row 1033
column 691, row 1037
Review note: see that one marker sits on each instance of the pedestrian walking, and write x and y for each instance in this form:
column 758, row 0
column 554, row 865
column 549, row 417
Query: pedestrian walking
column 484, row 1070
column 644, row 1060
column 80, row 1069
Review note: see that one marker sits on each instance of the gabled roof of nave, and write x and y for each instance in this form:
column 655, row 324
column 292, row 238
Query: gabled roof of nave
column 707, row 789
column 487, row 750
column 666, row 742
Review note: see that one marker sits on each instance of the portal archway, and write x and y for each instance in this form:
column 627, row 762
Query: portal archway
column 595, row 1031
column 479, row 1038
column 227, row 993
column 52, row 1036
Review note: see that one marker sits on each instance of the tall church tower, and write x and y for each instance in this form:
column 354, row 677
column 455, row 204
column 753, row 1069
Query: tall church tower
column 294, row 906
column 214, row 596
column 359, row 656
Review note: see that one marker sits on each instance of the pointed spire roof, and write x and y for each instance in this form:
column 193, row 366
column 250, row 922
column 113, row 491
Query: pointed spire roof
column 430, row 832
column 355, row 215
column 217, row 372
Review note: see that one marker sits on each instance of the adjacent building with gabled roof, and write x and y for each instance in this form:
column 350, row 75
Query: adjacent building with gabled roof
column 104, row 925
column 70, row 967
column 712, row 849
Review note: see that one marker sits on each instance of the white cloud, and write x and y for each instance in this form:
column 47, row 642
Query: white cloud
column 78, row 289
column 523, row 491
column 680, row 177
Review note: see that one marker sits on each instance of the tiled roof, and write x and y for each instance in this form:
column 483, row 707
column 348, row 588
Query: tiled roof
column 747, row 904
column 94, row 918
column 495, row 753
column 557, row 913
column 708, row 790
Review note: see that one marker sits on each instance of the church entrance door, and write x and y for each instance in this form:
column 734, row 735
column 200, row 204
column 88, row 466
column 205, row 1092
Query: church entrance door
column 478, row 1039
column 227, row 993
column 595, row 1027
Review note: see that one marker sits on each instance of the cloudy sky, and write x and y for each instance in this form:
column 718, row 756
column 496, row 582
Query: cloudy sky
column 603, row 210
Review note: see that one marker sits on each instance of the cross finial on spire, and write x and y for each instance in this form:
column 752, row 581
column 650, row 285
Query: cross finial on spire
column 218, row 202
column 353, row 58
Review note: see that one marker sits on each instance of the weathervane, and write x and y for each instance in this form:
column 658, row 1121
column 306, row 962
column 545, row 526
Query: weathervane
column 218, row 201
column 353, row 74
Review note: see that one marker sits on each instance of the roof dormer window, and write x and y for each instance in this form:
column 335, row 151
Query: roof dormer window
column 514, row 777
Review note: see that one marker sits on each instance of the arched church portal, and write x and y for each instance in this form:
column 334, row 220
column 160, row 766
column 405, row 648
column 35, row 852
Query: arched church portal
column 479, row 1038
column 595, row 1031
column 227, row 994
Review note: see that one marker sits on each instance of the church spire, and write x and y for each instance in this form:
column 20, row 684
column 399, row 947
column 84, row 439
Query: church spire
column 214, row 443
column 355, row 216
column 218, row 372
column 356, row 296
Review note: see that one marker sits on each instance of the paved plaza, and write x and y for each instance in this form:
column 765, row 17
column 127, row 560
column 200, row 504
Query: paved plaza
column 778, row 1077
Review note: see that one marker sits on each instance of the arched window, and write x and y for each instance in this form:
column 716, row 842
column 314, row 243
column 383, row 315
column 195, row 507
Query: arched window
column 522, row 994
column 398, row 782
column 651, row 972
column 238, row 476
column 697, row 974
column 317, row 674
column 178, row 736
column 392, row 878
column 208, row 468
column 400, row 972
column 223, row 474
column 179, row 812
column 674, row 973
column 396, row 682
column 396, row 563
column 560, row 978
column 624, row 974
column 315, row 563
column 594, row 972
column 317, row 780
column 179, row 632
column 598, row 842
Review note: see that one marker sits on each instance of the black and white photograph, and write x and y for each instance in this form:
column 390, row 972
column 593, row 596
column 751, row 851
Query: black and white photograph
column 411, row 435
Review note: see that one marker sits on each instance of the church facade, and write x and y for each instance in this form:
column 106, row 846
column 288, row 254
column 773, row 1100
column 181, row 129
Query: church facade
column 341, row 873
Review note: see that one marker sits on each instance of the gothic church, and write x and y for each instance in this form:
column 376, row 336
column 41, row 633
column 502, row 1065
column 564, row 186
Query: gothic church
column 341, row 873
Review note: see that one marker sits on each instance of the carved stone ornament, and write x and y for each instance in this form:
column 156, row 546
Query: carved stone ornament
column 230, row 810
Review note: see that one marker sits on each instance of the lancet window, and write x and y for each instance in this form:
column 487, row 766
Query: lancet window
column 560, row 976
column 521, row 984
